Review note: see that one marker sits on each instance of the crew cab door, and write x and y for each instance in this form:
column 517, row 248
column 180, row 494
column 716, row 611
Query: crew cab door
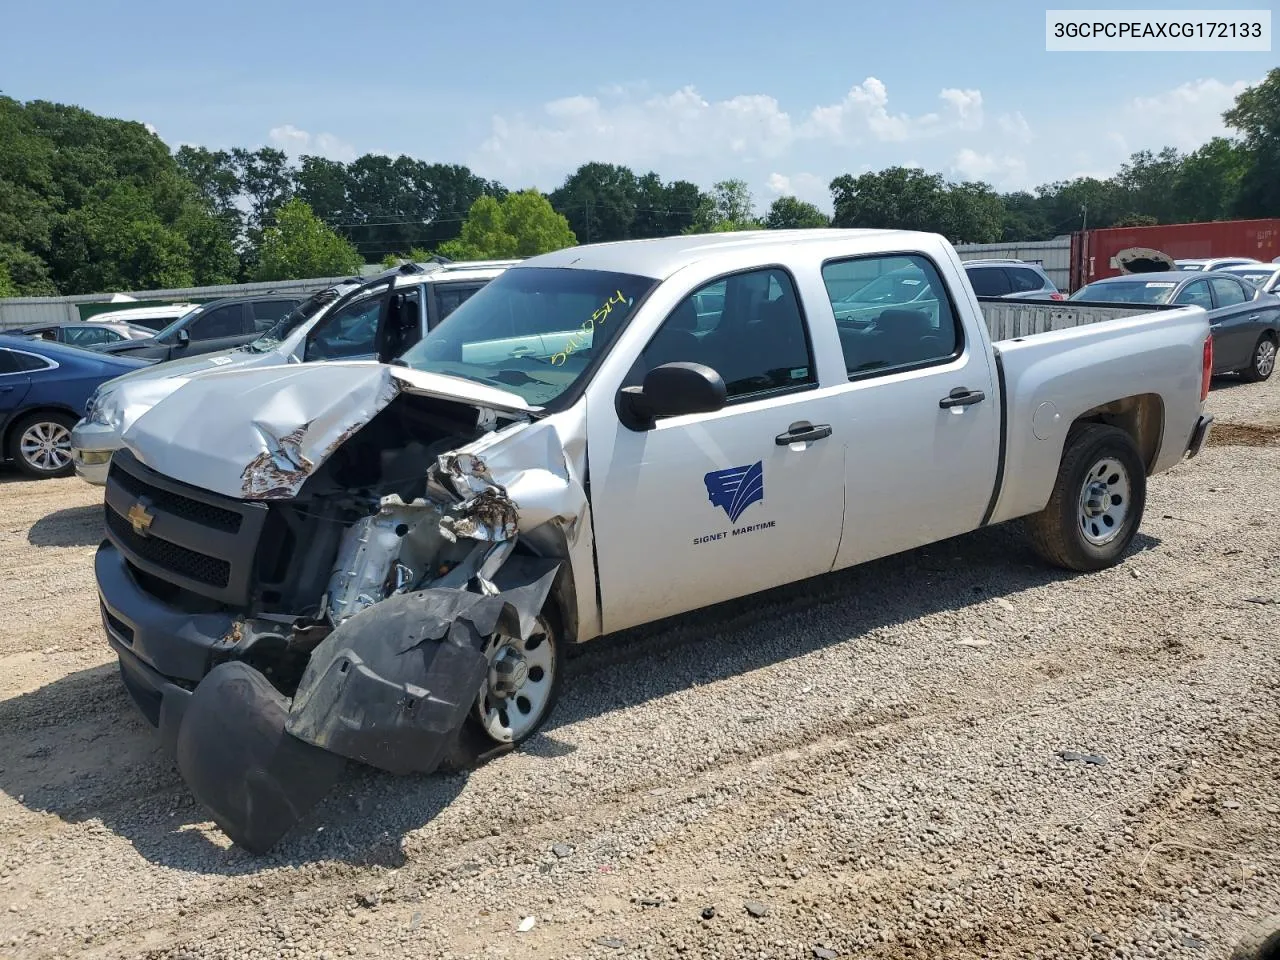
column 921, row 415
column 708, row 507
column 348, row 333
column 219, row 329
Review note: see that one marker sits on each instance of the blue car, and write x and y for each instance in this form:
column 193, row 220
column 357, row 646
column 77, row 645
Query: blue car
column 43, row 389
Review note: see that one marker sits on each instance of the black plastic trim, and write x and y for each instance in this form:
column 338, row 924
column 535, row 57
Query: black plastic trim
column 1004, row 438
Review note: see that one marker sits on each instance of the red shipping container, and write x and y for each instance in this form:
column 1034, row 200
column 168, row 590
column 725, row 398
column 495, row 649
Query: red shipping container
column 1093, row 251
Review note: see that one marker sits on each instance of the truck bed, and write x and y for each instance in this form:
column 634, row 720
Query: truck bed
column 1009, row 319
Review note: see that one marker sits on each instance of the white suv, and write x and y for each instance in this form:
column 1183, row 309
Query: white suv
column 374, row 319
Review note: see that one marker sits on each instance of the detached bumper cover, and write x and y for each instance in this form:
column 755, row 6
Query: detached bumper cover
column 390, row 687
column 1199, row 436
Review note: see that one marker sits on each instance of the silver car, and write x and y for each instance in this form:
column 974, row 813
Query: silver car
column 1017, row 279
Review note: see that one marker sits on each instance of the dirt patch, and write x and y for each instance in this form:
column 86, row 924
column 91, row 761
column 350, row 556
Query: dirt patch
column 1243, row 435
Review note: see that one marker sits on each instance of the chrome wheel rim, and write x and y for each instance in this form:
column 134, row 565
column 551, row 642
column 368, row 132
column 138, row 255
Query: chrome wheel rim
column 517, row 691
column 46, row 445
column 1104, row 501
column 1265, row 359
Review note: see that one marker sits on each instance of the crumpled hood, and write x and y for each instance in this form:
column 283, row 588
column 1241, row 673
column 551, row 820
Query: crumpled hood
column 258, row 433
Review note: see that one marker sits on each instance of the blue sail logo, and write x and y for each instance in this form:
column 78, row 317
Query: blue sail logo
column 735, row 489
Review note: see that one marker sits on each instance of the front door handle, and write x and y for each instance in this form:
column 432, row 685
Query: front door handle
column 961, row 397
column 802, row 432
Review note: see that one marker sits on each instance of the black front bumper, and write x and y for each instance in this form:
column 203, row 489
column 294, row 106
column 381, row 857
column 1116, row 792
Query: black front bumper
column 164, row 652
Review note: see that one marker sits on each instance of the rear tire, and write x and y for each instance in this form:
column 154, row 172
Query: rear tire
column 40, row 445
column 1097, row 502
column 1263, row 362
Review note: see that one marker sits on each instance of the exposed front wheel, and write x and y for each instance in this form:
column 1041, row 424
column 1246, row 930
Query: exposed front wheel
column 40, row 445
column 1097, row 501
column 522, row 686
column 1263, row 363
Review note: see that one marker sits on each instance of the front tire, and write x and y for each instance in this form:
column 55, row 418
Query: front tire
column 1097, row 502
column 1263, row 362
column 40, row 445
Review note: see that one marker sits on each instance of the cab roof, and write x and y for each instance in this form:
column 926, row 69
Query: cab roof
column 661, row 257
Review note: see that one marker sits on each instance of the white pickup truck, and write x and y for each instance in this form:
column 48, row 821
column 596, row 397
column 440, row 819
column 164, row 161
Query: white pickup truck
column 308, row 564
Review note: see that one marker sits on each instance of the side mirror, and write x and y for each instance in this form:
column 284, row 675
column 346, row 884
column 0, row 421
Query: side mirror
column 183, row 338
column 671, row 390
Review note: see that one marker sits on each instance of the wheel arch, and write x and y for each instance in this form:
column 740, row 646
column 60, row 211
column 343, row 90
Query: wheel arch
column 1141, row 416
column 20, row 416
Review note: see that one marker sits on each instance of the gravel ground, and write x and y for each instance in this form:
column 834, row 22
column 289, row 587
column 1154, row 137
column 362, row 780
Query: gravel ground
column 952, row 753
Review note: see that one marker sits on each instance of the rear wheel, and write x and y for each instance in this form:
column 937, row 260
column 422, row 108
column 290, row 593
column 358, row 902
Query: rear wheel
column 1097, row 501
column 40, row 445
column 1263, row 362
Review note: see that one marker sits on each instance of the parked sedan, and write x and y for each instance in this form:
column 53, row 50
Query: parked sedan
column 1264, row 276
column 43, row 390
column 90, row 335
column 1244, row 320
column 1213, row 263
column 219, row 325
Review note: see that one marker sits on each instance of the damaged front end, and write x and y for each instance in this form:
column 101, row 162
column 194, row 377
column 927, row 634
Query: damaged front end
column 413, row 578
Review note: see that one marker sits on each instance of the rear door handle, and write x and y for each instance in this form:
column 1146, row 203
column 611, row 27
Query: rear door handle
column 962, row 397
column 802, row 432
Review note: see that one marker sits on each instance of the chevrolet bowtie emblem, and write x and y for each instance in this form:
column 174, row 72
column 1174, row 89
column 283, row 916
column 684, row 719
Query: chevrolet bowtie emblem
column 140, row 518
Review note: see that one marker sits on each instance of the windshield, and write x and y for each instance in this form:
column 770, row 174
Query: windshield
column 531, row 331
column 900, row 286
column 1127, row 291
column 292, row 320
column 175, row 324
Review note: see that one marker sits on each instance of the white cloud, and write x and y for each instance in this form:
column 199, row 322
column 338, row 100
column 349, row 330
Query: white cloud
column 1184, row 117
column 684, row 134
column 1003, row 170
column 1015, row 127
column 150, row 128
column 296, row 142
column 804, row 186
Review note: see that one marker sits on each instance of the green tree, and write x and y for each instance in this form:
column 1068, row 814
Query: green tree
column 976, row 213
column 787, row 213
column 1256, row 115
column 1208, row 183
column 523, row 224
column 7, row 287
column 598, row 201
column 897, row 197
column 300, row 245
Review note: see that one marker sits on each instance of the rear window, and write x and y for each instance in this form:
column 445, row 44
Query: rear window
column 1024, row 280
column 1127, row 291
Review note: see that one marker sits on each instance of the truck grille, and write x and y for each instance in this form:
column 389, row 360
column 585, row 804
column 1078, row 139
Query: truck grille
column 205, row 514
column 170, row 556
column 192, row 539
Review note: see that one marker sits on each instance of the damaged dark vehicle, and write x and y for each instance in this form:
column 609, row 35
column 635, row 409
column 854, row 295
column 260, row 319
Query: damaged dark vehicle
column 354, row 561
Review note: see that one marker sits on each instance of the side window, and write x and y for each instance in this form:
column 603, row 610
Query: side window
column 87, row 336
column 750, row 332
column 450, row 296
column 403, row 327
column 989, row 281
column 350, row 332
column 29, row 362
column 893, row 335
column 1195, row 294
column 8, row 362
column 267, row 312
column 1227, row 292
column 1023, row 280
column 223, row 322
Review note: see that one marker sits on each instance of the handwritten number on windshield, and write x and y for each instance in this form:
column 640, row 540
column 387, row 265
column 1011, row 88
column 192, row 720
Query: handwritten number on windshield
column 579, row 337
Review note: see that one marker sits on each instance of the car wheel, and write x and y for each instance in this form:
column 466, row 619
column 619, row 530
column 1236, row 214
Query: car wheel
column 1097, row 501
column 40, row 445
column 518, row 695
column 1263, row 363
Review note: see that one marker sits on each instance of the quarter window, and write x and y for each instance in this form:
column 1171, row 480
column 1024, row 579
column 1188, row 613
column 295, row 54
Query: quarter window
column 748, row 328
column 887, row 333
column 1023, row 280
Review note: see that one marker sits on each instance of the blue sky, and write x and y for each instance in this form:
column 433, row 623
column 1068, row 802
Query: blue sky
column 700, row 89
